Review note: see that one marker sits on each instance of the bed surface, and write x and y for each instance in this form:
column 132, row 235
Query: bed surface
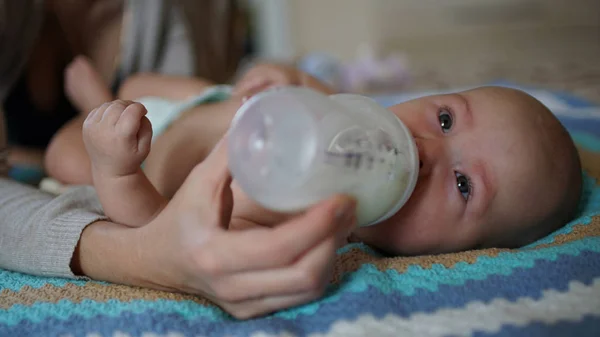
column 550, row 288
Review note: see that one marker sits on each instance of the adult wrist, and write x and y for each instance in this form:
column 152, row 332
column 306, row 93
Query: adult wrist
column 107, row 252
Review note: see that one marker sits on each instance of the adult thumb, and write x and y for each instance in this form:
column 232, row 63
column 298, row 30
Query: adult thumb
column 208, row 187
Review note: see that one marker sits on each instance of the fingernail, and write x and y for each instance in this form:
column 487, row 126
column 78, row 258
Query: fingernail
column 345, row 210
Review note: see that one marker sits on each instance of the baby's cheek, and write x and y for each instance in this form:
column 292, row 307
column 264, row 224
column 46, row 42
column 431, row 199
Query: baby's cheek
column 409, row 232
column 378, row 236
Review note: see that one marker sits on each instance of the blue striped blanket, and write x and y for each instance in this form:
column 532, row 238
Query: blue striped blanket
column 549, row 288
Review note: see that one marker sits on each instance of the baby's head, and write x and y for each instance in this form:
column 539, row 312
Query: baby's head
column 497, row 170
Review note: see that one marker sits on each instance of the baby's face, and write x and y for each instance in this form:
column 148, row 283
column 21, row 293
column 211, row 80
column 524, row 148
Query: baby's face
column 480, row 173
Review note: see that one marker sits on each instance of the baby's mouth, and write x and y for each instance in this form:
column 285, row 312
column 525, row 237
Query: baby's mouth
column 419, row 156
column 352, row 238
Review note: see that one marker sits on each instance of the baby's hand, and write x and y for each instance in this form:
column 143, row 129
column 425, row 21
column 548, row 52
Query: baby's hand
column 117, row 137
column 265, row 76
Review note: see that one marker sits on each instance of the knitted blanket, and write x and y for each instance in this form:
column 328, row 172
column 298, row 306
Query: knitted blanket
column 549, row 288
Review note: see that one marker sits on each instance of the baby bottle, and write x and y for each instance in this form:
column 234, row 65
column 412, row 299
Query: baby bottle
column 292, row 147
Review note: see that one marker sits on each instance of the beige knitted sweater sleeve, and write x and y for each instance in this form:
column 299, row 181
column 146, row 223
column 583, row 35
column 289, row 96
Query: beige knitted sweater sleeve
column 39, row 232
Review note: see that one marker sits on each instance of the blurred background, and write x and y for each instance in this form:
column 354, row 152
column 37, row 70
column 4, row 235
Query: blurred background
column 389, row 49
column 437, row 44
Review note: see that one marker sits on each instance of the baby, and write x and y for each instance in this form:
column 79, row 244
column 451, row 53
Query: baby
column 497, row 168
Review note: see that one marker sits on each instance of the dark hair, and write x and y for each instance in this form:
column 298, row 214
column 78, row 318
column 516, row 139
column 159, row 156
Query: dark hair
column 217, row 30
column 20, row 22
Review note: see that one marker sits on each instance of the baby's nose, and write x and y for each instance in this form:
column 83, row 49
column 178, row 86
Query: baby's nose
column 427, row 156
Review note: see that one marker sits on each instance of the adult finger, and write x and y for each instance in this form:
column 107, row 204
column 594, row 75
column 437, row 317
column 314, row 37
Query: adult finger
column 219, row 183
column 263, row 306
column 268, row 248
column 310, row 274
column 211, row 173
column 206, row 192
column 216, row 163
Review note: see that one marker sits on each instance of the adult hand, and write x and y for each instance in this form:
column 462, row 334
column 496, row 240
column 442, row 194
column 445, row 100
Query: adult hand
column 188, row 248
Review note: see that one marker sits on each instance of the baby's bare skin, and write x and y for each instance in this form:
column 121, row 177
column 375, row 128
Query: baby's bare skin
column 117, row 138
column 488, row 178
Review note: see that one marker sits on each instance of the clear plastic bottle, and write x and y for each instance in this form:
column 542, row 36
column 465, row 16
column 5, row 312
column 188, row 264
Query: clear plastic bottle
column 292, row 147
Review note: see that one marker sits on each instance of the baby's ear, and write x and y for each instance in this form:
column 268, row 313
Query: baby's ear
column 590, row 162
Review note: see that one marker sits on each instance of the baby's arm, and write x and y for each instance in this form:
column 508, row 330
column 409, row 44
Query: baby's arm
column 307, row 80
column 177, row 88
column 265, row 76
column 117, row 136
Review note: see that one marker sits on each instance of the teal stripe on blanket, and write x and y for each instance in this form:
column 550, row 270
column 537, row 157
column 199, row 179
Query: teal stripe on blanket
column 588, row 141
column 15, row 281
column 387, row 281
column 87, row 309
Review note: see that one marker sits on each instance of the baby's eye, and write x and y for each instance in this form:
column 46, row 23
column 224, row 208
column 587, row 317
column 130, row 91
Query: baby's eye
column 464, row 185
column 445, row 119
